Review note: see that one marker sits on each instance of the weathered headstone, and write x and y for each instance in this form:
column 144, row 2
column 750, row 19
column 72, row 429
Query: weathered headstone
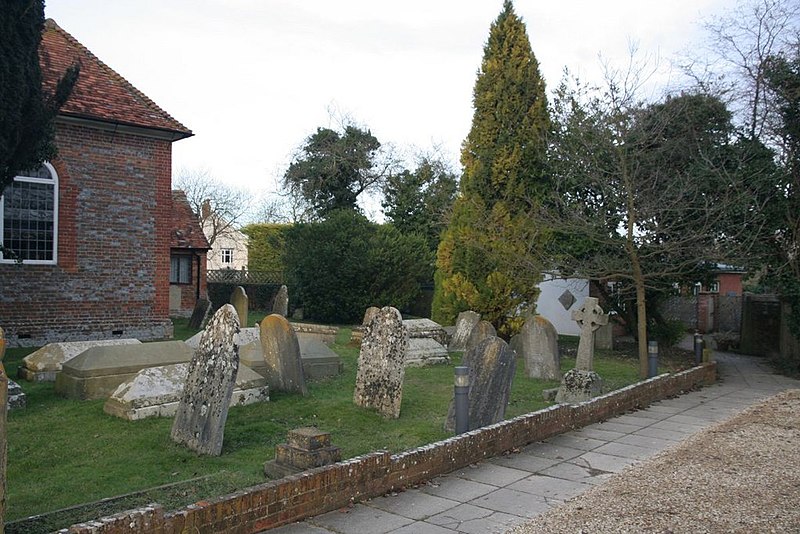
column 44, row 364
column 281, row 351
column 482, row 330
column 155, row 392
column 200, row 313
column 3, row 427
column 203, row 409
column 381, row 364
column 589, row 317
column 491, row 372
column 241, row 304
column 318, row 360
column 582, row 383
column 465, row 322
column 539, row 344
column 305, row 448
column 280, row 305
column 357, row 334
column 604, row 337
column 426, row 328
column 16, row 397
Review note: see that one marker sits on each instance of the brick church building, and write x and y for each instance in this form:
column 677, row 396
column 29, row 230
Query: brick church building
column 98, row 235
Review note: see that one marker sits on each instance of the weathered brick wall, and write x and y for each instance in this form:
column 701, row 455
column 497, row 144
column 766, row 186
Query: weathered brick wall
column 328, row 488
column 112, row 277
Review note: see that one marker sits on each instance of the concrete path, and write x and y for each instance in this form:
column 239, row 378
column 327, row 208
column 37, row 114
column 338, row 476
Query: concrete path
column 503, row 492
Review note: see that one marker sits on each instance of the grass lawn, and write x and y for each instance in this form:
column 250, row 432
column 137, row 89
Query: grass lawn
column 63, row 453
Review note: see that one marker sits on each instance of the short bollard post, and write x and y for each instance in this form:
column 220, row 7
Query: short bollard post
column 652, row 359
column 462, row 399
column 698, row 348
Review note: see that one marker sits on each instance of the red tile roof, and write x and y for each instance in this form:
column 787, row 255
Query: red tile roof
column 100, row 93
column 186, row 231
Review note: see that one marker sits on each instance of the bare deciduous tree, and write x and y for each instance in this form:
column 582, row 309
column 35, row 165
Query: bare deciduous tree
column 220, row 207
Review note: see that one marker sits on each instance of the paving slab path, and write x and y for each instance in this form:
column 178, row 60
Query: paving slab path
column 510, row 490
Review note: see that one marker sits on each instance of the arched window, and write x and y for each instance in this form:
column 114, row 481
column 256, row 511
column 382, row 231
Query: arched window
column 29, row 217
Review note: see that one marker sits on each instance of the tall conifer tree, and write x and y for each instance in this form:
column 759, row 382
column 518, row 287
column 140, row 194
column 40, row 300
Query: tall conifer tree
column 504, row 160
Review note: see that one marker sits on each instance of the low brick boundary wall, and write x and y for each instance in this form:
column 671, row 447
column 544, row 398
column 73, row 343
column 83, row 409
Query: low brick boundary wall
column 323, row 489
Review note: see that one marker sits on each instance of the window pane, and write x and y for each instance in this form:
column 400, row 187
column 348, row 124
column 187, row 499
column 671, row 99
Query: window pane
column 180, row 269
column 29, row 220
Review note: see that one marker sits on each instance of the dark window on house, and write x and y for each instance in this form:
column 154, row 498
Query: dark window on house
column 180, row 269
column 227, row 255
column 29, row 217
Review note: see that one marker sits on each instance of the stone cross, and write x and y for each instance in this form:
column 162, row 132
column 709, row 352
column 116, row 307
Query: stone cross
column 590, row 317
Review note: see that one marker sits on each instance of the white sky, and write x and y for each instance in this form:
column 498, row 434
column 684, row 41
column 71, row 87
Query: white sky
column 253, row 78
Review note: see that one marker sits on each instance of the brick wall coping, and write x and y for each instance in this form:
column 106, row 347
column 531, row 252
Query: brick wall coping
column 323, row 489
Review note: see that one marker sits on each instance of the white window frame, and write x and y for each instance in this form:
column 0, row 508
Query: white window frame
column 181, row 258
column 222, row 256
column 54, row 182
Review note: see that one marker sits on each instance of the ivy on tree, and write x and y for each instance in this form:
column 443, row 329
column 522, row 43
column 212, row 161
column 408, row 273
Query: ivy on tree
column 333, row 168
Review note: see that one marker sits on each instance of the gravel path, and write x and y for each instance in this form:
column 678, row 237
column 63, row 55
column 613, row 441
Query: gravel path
column 741, row 475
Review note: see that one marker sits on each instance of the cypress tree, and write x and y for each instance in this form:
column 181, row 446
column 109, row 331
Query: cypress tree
column 26, row 114
column 504, row 174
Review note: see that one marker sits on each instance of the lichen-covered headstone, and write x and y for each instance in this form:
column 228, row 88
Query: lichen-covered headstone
column 465, row 322
column 240, row 302
column 579, row 386
column 491, row 373
column 482, row 330
column 539, row 344
column 281, row 352
column 371, row 312
column 280, row 306
column 203, row 409
column 381, row 369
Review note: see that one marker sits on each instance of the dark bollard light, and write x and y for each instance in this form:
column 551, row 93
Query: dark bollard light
column 698, row 348
column 652, row 359
column 462, row 399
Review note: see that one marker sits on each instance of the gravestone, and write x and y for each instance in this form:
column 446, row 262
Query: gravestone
column 482, row 330
column 465, row 322
column 203, row 409
column 582, row 383
column 280, row 305
column 357, row 334
column 241, row 304
column 156, row 392
column 305, row 448
column 491, row 373
column 200, row 313
column 381, row 364
column 16, row 397
column 538, row 342
column 604, row 337
column 281, row 353
column 318, row 360
column 44, row 364
column 96, row 372
column 589, row 317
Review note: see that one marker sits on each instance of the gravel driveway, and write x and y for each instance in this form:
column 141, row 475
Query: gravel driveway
column 741, row 475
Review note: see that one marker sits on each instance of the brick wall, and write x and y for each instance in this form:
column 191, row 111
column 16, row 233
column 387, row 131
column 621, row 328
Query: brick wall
column 328, row 488
column 112, row 276
column 190, row 292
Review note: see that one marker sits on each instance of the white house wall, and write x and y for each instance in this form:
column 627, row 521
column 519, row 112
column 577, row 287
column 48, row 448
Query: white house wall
column 548, row 304
column 232, row 240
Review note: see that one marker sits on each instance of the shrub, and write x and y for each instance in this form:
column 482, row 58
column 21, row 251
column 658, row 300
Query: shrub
column 344, row 264
column 668, row 333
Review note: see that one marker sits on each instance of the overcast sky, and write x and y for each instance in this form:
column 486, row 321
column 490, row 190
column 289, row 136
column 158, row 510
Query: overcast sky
column 253, row 78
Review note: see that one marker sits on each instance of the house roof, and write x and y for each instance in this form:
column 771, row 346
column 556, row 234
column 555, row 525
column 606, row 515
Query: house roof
column 100, row 93
column 186, row 232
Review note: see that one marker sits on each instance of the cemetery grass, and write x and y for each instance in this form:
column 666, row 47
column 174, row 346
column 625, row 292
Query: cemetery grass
column 63, row 453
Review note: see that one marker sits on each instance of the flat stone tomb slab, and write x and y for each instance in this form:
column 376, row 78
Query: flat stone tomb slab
column 425, row 351
column 45, row 363
column 98, row 371
column 155, row 392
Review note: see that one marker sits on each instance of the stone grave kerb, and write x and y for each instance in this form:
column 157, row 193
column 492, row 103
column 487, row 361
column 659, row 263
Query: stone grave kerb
column 589, row 317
